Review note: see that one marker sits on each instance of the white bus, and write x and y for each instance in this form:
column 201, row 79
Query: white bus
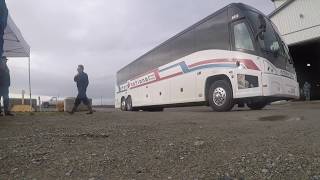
column 234, row 56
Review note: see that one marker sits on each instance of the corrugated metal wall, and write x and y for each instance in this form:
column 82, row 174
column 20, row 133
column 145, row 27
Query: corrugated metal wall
column 278, row 3
column 299, row 21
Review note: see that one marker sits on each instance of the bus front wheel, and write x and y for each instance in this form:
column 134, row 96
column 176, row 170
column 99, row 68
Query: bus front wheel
column 221, row 96
column 123, row 106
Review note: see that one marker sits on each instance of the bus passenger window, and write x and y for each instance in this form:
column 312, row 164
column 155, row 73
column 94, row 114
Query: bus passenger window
column 242, row 39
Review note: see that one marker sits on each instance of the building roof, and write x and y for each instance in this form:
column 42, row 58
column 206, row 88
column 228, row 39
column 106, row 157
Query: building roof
column 280, row 7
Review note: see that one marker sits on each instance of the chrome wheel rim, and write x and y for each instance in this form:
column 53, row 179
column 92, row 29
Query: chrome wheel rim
column 123, row 104
column 219, row 96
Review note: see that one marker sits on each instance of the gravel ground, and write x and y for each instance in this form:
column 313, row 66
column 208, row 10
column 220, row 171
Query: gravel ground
column 281, row 142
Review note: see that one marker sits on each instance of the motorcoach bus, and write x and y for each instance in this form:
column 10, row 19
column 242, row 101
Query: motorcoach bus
column 234, row 56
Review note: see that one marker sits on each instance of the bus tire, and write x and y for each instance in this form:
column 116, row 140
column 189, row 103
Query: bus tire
column 221, row 96
column 123, row 105
column 257, row 105
column 129, row 103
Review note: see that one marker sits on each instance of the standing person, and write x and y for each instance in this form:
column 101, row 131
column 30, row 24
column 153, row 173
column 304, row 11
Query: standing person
column 1, row 72
column 306, row 90
column 4, row 85
column 82, row 81
column 3, row 22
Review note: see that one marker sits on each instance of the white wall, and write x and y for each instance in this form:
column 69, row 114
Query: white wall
column 299, row 21
column 278, row 3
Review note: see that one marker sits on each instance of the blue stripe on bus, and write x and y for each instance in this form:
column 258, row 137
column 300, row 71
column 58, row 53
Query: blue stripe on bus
column 167, row 68
column 185, row 69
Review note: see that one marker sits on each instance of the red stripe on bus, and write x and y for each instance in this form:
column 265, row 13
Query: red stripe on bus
column 208, row 62
column 157, row 74
column 172, row 75
column 160, row 79
column 247, row 62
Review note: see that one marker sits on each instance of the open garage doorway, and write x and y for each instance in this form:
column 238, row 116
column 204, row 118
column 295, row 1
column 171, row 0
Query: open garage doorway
column 306, row 57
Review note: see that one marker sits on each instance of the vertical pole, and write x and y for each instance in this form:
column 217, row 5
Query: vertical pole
column 23, row 92
column 39, row 100
column 30, row 93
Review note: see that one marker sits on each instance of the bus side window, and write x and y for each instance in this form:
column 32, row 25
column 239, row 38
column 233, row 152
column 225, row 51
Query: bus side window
column 242, row 38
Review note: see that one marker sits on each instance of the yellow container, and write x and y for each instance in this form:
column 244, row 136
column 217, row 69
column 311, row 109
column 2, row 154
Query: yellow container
column 60, row 106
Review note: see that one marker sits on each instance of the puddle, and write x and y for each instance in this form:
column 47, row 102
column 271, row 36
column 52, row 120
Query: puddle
column 280, row 118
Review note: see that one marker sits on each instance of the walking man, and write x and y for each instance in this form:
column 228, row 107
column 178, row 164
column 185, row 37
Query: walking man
column 4, row 85
column 82, row 81
column 306, row 91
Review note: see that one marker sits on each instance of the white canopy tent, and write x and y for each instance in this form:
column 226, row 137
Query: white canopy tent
column 15, row 46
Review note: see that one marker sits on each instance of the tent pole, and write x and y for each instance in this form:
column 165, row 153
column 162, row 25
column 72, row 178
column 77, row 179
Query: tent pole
column 29, row 72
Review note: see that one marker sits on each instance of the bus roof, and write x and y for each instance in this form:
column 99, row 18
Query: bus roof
column 240, row 6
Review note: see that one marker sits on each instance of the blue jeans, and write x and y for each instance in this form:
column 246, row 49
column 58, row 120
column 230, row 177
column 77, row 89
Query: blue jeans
column 4, row 94
column 82, row 97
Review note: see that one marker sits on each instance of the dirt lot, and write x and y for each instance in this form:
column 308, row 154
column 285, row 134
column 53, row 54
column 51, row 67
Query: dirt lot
column 281, row 142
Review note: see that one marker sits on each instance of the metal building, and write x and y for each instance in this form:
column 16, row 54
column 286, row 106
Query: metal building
column 299, row 24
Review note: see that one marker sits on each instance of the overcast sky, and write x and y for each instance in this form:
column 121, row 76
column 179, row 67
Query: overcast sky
column 103, row 35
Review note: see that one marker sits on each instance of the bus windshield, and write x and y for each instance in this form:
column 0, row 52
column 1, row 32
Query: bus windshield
column 284, row 46
column 272, row 45
column 270, row 42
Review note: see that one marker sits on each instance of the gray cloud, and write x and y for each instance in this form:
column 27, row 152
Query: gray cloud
column 103, row 35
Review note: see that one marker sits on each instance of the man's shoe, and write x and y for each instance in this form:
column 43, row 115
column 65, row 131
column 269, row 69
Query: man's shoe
column 74, row 109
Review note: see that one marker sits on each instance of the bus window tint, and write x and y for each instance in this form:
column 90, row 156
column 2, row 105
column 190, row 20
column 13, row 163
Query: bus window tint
column 270, row 42
column 284, row 46
column 271, row 45
column 242, row 37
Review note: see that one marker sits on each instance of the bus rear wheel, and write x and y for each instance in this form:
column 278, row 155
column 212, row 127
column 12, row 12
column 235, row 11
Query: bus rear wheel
column 221, row 96
column 257, row 105
column 129, row 104
column 123, row 106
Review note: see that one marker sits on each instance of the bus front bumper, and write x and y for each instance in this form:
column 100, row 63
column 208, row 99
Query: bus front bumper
column 280, row 86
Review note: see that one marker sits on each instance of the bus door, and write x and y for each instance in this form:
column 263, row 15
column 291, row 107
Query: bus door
column 246, row 81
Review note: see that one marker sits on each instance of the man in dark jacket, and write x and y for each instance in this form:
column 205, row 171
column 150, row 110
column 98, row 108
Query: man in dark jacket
column 4, row 85
column 3, row 22
column 82, row 81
